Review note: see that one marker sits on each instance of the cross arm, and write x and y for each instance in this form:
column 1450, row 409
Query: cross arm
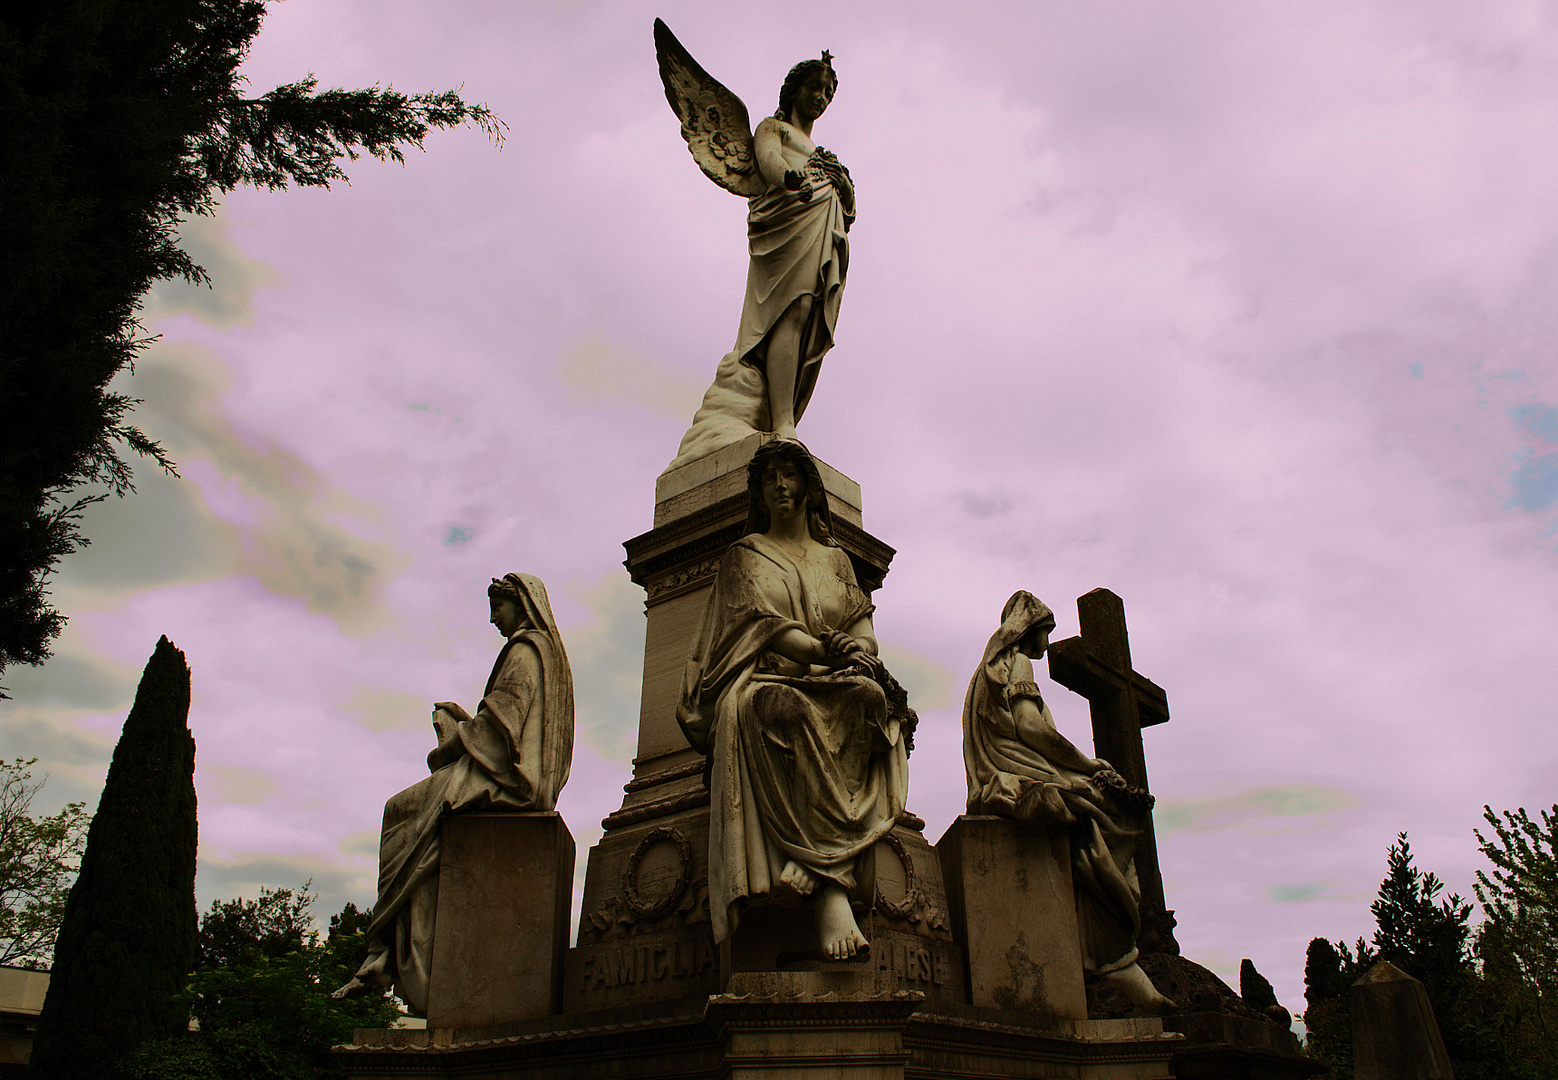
column 1073, row 666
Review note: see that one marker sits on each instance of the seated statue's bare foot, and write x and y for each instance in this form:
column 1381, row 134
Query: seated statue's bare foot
column 798, row 878
column 355, row 988
column 836, row 926
column 1132, row 981
column 785, row 431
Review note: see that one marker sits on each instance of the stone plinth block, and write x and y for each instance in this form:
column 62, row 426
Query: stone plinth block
column 504, row 886
column 1394, row 1034
column 1010, row 897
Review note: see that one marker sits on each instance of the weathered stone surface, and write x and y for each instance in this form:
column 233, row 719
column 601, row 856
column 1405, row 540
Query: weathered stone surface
column 700, row 509
column 1394, row 1033
column 644, row 931
column 680, row 964
column 503, row 897
column 790, row 1025
column 1010, row 897
column 813, row 1024
column 901, row 905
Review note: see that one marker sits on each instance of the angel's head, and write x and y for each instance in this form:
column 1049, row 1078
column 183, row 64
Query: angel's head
column 811, row 85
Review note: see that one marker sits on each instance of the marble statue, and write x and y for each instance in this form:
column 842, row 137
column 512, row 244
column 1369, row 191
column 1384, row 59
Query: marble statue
column 801, row 204
column 1020, row 766
column 512, row 755
column 806, row 732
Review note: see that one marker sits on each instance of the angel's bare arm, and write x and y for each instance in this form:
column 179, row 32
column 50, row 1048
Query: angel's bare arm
column 768, row 147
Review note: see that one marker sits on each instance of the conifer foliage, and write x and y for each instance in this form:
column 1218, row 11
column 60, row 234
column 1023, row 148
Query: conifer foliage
column 1430, row 939
column 119, row 119
column 127, row 942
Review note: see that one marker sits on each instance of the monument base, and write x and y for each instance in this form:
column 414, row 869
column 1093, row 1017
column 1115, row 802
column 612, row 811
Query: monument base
column 504, row 886
column 794, row 1024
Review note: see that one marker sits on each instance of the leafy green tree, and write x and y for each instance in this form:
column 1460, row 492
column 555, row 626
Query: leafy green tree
column 39, row 858
column 240, row 933
column 262, row 994
column 127, row 940
column 1518, row 944
column 118, row 120
column 1430, row 939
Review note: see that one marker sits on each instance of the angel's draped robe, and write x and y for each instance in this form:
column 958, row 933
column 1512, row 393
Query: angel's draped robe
column 1009, row 777
column 512, row 746
column 804, row 765
column 797, row 249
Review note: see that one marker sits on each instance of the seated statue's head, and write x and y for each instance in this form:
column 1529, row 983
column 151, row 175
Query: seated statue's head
column 787, row 456
column 802, row 74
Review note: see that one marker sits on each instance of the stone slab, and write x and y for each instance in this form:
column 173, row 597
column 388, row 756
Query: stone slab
column 504, row 886
column 1394, row 1033
column 1010, row 896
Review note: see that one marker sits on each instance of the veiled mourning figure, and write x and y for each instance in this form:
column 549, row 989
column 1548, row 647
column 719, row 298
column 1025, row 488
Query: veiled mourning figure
column 1020, row 766
column 514, row 754
column 805, row 730
column 801, row 203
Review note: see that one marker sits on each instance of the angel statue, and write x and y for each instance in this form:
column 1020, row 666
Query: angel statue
column 801, row 204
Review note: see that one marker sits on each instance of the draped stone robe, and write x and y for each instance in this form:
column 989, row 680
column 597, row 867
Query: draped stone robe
column 804, row 765
column 517, row 749
column 1010, row 776
column 797, row 249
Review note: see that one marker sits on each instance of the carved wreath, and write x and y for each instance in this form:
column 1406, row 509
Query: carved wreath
column 911, row 890
column 662, row 907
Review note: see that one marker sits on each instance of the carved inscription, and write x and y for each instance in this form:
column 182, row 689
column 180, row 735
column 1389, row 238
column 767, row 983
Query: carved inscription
column 910, row 963
column 653, row 962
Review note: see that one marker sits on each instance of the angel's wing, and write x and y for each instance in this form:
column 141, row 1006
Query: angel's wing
column 714, row 121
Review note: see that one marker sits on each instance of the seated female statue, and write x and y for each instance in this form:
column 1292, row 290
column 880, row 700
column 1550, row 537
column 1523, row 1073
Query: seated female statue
column 514, row 754
column 785, row 693
column 1020, row 766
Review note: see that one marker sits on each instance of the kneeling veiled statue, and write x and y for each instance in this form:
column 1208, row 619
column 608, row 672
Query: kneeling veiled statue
column 805, row 730
column 1020, row 766
column 513, row 755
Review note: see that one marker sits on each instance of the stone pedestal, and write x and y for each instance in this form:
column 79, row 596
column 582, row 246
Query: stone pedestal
column 1010, row 895
column 504, row 886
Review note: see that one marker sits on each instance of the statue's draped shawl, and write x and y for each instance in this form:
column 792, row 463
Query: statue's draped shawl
column 518, row 749
column 1009, row 777
column 530, row 760
column 804, row 765
column 797, row 249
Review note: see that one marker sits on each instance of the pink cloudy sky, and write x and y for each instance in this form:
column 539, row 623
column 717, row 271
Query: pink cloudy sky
column 1243, row 311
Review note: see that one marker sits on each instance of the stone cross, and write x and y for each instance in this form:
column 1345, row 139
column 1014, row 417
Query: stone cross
column 1097, row 665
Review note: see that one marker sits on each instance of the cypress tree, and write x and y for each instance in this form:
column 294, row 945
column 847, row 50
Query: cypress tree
column 119, row 120
column 127, row 943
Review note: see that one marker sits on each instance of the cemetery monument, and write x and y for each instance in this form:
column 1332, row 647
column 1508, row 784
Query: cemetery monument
column 764, row 899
